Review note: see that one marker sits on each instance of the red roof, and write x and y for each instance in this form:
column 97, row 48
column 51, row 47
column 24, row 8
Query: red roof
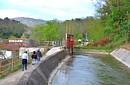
column 11, row 47
column 1, row 39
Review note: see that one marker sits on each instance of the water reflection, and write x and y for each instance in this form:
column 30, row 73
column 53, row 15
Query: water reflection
column 92, row 70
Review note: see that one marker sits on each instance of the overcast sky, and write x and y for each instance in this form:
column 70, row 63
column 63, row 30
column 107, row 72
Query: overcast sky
column 47, row 9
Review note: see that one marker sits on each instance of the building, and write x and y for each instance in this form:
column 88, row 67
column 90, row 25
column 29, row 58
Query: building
column 15, row 43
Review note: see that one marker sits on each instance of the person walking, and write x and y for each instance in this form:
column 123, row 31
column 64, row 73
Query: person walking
column 24, row 60
column 39, row 55
column 34, row 58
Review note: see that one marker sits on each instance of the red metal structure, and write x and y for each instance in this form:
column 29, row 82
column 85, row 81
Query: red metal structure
column 70, row 42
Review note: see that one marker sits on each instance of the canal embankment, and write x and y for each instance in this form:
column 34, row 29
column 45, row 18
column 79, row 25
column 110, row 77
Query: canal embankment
column 92, row 69
column 121, row 54
column 80, row 51
column 40, row 73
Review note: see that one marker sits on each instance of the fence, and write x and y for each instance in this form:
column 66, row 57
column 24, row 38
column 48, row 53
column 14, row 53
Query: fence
column 8, row 65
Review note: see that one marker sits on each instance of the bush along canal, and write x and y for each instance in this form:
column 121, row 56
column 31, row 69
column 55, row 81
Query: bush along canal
column 93, row 69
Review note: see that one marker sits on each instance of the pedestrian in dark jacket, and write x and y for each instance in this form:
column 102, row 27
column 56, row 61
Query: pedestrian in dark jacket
column 39, row 55
column 34, row 58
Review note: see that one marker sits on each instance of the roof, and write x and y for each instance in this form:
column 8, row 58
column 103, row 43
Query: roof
column 17, row 39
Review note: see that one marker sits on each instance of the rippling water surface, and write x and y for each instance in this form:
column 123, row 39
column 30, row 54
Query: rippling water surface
column 92, row 69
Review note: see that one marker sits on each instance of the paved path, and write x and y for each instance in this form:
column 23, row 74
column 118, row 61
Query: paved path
column 13, row 78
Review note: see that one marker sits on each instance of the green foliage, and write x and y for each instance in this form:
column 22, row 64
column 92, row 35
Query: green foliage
column 116, row 38
column 52, row 30
column 23, row 36
column 49, row 32
column 11, row 37
column 95, row 30
column 37, row 33
column 80, row 36
column 10, row 28
column 115, row 43
column 18, row 67
column 116, row 17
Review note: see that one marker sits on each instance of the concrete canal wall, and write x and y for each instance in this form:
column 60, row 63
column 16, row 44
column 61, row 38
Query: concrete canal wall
column 122, row 55
column 40, row 73
column 80, row 51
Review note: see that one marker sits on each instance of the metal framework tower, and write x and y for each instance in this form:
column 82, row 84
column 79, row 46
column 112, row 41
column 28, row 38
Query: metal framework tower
column 69, row 36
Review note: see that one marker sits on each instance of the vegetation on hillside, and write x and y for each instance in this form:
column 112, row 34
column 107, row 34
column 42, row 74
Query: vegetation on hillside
column 108, row 29
column 115, row 16
column 49, row 32
column 10, row 28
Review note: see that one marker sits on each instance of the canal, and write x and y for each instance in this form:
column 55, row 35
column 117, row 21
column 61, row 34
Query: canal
column 92, row 69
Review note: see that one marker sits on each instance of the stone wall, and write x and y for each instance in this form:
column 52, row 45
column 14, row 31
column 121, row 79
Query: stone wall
column 122, row 55
column 40, row 73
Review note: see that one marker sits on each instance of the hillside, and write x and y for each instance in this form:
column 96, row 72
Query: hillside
column 10, row 28
column 30, row 22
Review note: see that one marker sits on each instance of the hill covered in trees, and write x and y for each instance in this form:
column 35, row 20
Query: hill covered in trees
column 30, row 22
column 10, row 28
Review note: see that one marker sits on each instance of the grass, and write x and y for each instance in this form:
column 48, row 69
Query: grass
column 109, row 47
column 2, row 76
column 13, row 70
column 93, row 48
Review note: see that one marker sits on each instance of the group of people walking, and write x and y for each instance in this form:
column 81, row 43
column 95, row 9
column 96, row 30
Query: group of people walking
column 36, row 56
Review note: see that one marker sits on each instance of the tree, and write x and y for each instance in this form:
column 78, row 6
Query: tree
column 49, row 32
column 52, row 30
column 10, row 28
column 80, row 36
column 117, row 17
column 23, row 36
column 11, row 37
column 95, row 29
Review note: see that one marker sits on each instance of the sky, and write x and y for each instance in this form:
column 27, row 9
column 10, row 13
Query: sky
column 47, row 9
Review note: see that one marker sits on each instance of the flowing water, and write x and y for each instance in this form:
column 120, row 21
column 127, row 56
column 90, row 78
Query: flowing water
column 93, row 69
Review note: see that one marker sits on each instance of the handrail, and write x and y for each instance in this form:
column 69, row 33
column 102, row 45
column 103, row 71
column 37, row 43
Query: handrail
column 6, row 66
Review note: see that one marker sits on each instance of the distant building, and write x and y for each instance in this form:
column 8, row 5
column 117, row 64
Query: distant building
column 1, row 40
column 15, row 43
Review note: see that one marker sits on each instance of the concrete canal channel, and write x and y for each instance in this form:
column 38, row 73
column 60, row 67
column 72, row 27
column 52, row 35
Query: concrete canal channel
column 92, row 69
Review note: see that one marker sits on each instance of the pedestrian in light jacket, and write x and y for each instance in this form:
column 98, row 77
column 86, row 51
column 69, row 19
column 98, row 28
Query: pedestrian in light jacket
column 24, row 60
